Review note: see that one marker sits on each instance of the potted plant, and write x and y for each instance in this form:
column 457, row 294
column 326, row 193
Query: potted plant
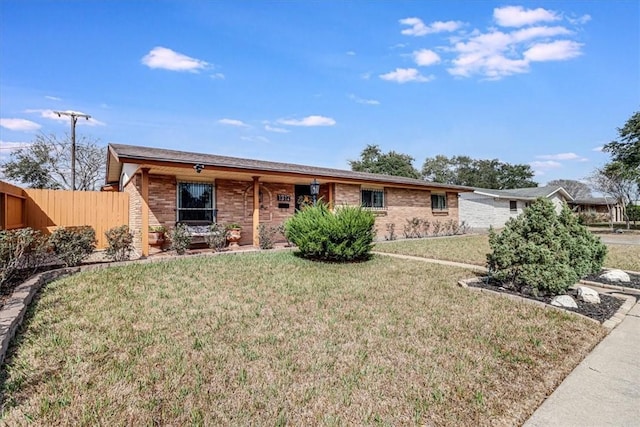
column 233, row 234
column 156, row 234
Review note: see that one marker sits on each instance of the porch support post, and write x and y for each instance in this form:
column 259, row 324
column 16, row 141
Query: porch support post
column 331, row 195
column 144, row 190
column 256, row 211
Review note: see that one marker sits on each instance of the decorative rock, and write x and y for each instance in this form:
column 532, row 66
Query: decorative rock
column 564, row 301
column 615, row 276
column 588, row 295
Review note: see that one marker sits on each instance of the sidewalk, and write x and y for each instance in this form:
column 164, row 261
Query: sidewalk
column 604, row 389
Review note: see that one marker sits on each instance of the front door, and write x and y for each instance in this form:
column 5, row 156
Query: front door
column 303, row 195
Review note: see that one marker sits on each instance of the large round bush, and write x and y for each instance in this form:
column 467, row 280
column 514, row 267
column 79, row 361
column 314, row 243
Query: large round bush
column 344, row 235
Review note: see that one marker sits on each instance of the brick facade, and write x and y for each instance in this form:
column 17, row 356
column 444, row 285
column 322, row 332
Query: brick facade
column 234, row 203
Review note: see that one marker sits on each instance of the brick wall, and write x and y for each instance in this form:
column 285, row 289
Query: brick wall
column 135, row 212
column 401, row 204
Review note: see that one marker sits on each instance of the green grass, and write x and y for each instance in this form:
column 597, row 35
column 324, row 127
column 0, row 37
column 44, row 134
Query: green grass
column 270, row 338
column 473, row 250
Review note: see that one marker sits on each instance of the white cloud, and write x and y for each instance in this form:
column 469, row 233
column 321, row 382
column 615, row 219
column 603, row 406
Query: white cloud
column 558, row 50
column 233, row 122
column 167, row 59
column 598, row 148
column 257, row 138
column 560, row 156
column 359, row 100
column 497, row 54
column 19, row 124
column 404, row 75
column 351, row 53
column 53, row 98
column 546, row 164
column 308, row 121
column 270, row 128
column 418, row 27
column 217, row 76
column 366, row 76
column 581, row 20
column 517, row 16
column 425, row 57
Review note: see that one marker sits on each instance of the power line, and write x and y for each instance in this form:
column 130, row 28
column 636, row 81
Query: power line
column 74, row 119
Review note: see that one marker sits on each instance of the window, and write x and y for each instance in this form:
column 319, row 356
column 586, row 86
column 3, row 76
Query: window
column 195, row 201
column 513, row 206
column 438, row 202
column 372, row 198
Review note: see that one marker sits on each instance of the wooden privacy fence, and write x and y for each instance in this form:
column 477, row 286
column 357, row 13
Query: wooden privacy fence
column 45, row 210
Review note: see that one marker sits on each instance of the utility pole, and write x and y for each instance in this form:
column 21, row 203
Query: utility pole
column 74, row 119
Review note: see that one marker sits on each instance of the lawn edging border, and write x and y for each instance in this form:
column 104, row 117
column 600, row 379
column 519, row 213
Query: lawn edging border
column 14, row 310
column 608, row 324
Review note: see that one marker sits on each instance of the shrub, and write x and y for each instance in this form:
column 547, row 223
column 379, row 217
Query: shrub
column 267, row 234
column 217, row 237
column 73, row 244
column 544, row 251
column 412, row 228
column 426, row 225
column 343, row 236
column 180, row 238
column 453, row 226
column 463, row 228
column 391, row 231
column 120, row 243
column 21, row 250
column 282, row 231
column 437, row 227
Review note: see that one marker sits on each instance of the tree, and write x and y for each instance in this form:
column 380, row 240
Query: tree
column 577, row 189
column 373, row 160
column 618, row 181
column 46, row 163
column 626, row 149
column 483, row 173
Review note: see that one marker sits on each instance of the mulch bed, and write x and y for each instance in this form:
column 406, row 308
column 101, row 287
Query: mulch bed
column 635, row 281
column 601, row 312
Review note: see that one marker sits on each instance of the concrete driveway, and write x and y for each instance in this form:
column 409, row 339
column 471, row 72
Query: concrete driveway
column 620, row 239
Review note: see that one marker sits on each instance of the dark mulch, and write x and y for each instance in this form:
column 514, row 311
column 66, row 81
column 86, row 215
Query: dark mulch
column 606, row 309
column 635, row 280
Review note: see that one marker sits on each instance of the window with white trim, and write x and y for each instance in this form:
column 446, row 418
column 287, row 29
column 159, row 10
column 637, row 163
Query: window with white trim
column 372, row 198
column 438, row 202
column 195, row 201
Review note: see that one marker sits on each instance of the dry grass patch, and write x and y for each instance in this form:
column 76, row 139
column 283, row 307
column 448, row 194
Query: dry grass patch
column 626, row 257
column 469, row 249
column 273, row 339
column 473, row 250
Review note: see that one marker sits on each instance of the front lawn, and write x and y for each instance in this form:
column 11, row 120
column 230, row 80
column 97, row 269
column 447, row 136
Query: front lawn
column 271, row 339
column 473, row 250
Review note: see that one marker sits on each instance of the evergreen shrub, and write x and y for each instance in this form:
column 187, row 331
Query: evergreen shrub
column 341, row 236
column 542, row 251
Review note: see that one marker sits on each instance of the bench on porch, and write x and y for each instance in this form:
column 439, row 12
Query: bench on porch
column 198, row 230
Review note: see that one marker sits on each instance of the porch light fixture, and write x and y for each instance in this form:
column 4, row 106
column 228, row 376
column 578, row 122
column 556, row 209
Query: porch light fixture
column 315, row 190
column 198, row 167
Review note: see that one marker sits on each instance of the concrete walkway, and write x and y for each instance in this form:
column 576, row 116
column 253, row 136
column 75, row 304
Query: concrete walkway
column 604, row 389
column 434, row 261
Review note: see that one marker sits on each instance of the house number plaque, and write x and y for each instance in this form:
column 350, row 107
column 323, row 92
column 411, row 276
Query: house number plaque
column 284, row 198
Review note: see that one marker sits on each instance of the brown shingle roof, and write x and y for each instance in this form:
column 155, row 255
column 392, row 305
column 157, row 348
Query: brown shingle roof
column 141, row 154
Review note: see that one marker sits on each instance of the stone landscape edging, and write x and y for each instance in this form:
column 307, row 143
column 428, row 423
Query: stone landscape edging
column 608, row 324
column 13, row 311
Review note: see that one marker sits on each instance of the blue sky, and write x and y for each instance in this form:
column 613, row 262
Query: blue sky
column 314, row 82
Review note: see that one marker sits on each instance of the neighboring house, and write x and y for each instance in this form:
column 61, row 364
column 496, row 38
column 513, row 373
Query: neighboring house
column 604, row 207
column 484, row 208
column 167, row 186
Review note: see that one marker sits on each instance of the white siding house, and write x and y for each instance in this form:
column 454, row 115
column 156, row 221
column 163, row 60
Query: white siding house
column 492, row 208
